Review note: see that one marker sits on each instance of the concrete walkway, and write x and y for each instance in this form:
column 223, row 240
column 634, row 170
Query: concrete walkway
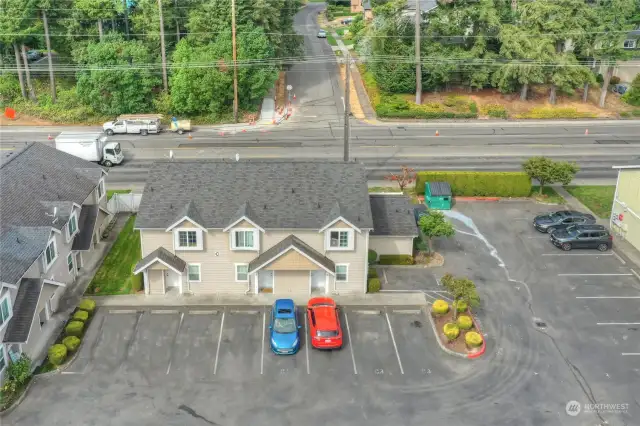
column 619, row 245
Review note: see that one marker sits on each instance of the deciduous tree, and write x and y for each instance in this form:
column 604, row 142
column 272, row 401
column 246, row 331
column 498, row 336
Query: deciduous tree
column 434, row 225
column 546, row 171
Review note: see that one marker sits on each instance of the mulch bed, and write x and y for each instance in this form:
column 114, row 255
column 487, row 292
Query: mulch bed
column 458, row 345
column 427, row 259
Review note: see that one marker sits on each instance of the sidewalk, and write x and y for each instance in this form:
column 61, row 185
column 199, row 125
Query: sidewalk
column 620, row 245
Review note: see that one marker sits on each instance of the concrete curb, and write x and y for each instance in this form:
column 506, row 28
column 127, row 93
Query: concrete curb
column 442, row 346
column 21, row 398
column 479, row 353
column 405, row 266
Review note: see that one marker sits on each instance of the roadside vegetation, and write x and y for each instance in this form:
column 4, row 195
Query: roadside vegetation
column 599, row 199
column 111, row 192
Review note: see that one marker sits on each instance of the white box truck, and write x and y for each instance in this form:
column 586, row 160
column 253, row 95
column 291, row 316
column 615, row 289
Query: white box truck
column 142, row 124
column 90, row 146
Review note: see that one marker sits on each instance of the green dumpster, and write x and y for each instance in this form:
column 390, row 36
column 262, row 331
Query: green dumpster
column 437, row 195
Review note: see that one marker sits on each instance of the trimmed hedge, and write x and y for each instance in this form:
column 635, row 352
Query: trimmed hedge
column 88, row 305
column 57, row 354
column 451, row 331
column 71, row 343
column 372, row 256
column 74, row 328
column 473, row 339
column 440, row 307
column 373, row 285
column 497, row 184
column 465, row 322
column 80, row 315
column 462, row 306
column 557, row 112
column 373, row 273
column 385, row 112
column 396, row 259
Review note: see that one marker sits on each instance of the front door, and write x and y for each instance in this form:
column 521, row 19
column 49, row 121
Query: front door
column 318, row 281
column 171, row 279
column 265, row 281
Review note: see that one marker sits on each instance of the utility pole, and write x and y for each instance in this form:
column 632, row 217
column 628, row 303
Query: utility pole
column 126, row 18
column 514, row 5
column 164, row 55
column 235, row 64
column 418, row 68
column 52, row 79
column 347, row 109
column 175, row 6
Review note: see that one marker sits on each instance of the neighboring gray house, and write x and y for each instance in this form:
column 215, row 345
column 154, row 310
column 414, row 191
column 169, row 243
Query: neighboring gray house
column 52, row 205
column 264, row 226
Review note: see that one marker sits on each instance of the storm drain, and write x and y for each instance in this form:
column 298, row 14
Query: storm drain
column 539, row 323
column 416, row 324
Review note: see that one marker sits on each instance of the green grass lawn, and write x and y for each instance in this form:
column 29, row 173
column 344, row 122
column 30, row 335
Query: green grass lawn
column 340, row 31
column 115, row 274
column 549, row 195
column 383, row 189
column 598, row 198
column 331, row 40
column 110, row 192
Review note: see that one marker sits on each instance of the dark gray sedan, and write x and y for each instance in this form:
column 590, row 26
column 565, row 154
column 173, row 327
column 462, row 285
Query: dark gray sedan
column 561, row 220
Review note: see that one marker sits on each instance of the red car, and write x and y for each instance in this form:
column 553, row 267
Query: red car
column 324, row 323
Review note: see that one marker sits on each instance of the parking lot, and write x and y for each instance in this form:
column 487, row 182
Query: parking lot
column 232, row 344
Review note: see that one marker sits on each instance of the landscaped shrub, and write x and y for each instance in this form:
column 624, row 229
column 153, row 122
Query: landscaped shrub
column 373, row 273
column 440, row 307
column 57, row 354
column 495, row 111
column 74, row 328
column 473, row 108
column 395, row 259
column 451, row 331
column 136, row 282
column 81, row 316
column 498, row 184
column 614, row 80
column 548, row 112
column 465, row 322
column 71, row 342
column 473, row 339
column 462, row 305
column 88, row 305
column 632, row 96
column 372, row 256
column 373, row 285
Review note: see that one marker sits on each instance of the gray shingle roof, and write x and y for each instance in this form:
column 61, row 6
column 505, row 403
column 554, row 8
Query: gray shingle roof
column 164, row 255
column 284, row 246
column 282, row 194
column 440, row 189
column 393, row 216
column 19, row 248
column 189, row 210
column 425, row 5
column 24, row 307
column 245, row 211
column 86, row 225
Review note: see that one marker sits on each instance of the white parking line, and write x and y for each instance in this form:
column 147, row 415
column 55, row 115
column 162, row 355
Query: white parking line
column 577, row 254
column 635, row 273
column 393, row 339
column 607, row 297
column 306, row 342
column 595, row 275
column 619, row 258
column 630, row 354
column 174, row 342
column 618, row 323
column 353, row 358
column 440, row 293
column 215, row 365
column 264, row 326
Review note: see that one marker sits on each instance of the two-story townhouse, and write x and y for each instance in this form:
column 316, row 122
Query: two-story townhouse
column 263, row 226
column 52, row 205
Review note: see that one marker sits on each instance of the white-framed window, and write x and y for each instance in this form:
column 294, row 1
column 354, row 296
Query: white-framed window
column 70, row 263
column 3, row 359
column 5, row 310
column 242, row 272
column 342, row 272
column 72, row 226
column 244, row 239
column 188, row 239
column 630, row 44
column 339, row 239
column 100, row 190
column 194, row 272
column 50, row 254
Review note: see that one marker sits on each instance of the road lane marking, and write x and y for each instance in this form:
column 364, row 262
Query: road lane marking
column 618, row 323
column 175, row 337
column 577, row 254
column 353, row 358
column 306, row 342
column 215, row 365
column 607, row 297
column 264, row 326
column 630, row 354
column 393, row 339
column 619, row 258
column 635, row 273
column 595, row 275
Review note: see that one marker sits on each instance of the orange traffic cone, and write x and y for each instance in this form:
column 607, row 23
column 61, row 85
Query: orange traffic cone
column 49, row 137
column 273, row 121
column 294, row 96
column 244, row 130
column 221, row 133
column 437, row 133
column 586, row 132
column 190, row 137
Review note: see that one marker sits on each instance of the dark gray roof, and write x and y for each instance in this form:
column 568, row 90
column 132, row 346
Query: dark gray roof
column 277, row 194
column 164, row 255
column 189, row 210
column 24, row 307
column 19, row 248
column 425, row 5
column 245, row 211
column 393, row 216
column 440, row 189
column 86, row 225
column 366, row 4
column 284, row 246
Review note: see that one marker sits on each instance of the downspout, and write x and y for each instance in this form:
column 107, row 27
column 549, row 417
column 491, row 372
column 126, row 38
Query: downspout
column 615, row 200
column 366, row 263
column 246, row 293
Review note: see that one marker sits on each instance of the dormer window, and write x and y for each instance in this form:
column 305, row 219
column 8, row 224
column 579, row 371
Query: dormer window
column 50, row 254
column 244, row 239
column 72, row 226
column 100, row 189
column 339, row 239
column 188, row 239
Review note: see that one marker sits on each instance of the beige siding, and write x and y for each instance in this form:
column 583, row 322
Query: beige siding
column 391, row 245
column 156, row 283
column 629, row 189
column 243, row 224
column 157, row 266
column 340, row 224
column 185, row 224
column 31, row 346
column 292, row 261
column 291, row 282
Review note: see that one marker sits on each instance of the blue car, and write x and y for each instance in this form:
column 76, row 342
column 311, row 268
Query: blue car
column 285, row 339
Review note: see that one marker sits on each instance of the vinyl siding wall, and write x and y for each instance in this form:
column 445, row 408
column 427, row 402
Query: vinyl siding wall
column 218, row 261
column 628, row 192
column 48, row 290
column 391, row 245
column 156, row 285
column 292, row 282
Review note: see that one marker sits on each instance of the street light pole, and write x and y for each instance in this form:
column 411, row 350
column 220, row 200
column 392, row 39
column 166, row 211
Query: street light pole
column 235, row 64
column 347, row 109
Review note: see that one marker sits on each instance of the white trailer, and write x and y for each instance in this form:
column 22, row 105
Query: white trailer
column 90, row 146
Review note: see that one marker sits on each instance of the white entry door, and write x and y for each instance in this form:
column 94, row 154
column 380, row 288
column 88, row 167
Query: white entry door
column 318, row 281
column 171, row 279
column 265, row 281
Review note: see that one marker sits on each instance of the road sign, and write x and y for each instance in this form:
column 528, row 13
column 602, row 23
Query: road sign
column 289, row 87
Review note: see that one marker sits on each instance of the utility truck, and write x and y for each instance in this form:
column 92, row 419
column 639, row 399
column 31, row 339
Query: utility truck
column 142, row 124
column 90, row 146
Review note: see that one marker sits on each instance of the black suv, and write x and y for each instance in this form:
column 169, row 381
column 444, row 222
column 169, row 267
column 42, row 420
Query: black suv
column 583, row 236
column 561, row 220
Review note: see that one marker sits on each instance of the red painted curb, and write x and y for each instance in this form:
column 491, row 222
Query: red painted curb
column 476, row 198
column 484, row 346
